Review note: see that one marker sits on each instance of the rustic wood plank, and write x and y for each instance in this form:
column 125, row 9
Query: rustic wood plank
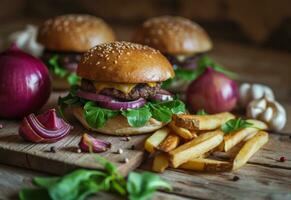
column 12, row 179
column 255, row 182
column 15, row 151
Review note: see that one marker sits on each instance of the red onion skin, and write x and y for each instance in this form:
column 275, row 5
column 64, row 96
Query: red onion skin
column 49, row 123
column 25, row 84
column 212, row 91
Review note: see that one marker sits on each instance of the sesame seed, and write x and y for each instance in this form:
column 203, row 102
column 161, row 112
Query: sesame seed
column 126, row 160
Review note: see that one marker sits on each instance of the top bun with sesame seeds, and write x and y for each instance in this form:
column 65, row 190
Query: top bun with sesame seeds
column 124, row 62
column 173, row 35
column 74, row 33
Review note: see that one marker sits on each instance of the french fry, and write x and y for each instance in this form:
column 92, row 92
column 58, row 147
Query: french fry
column 249, row 149
column 160, row 163
column 208, row 165
column 152, row 143
column 257, row 124
column 196, row 147
column 202, row 122
column 182, row 132
column 232, row 139
column 170, row 143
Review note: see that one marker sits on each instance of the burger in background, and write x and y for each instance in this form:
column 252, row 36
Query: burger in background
column 65, row 38
column 182, row 41
column 120, row 91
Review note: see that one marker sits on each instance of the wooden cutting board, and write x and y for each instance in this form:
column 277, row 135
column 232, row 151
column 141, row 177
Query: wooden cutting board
column 15, row 151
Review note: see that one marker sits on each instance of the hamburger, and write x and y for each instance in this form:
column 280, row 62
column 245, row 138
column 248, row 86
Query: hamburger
column 65, row 38
column 182, row 41
column 120, row 91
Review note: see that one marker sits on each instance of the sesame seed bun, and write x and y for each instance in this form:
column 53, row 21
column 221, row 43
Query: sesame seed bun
column 173, row 35
column 74, row 33
column 118, row 125
column 124, row 62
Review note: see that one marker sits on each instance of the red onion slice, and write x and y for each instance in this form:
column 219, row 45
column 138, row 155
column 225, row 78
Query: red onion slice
column 120, row 105
column 162, row 97
column 110, row 102
column 89, row 143
column 46, row 127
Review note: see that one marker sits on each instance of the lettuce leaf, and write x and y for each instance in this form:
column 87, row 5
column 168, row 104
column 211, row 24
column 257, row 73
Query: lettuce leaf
column 61, row 72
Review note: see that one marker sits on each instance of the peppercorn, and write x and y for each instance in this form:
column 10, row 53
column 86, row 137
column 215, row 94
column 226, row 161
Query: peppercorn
column 282, row 159
column 132, row 147
column 235, row 178
column 53, row 149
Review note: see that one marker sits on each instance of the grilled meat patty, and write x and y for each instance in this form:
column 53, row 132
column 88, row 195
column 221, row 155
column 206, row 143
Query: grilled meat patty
column 68, row 60
column 187, row 63
column 140, row 90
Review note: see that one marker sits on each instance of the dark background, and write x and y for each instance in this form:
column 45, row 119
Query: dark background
column 264, row 23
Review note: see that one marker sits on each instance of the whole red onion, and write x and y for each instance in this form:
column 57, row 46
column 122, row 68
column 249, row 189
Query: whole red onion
column 212, row 91
column 25, row 85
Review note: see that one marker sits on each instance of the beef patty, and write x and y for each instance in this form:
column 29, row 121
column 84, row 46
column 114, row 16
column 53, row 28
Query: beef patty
column 140, row 90
column 68, row 60
column 188, row 63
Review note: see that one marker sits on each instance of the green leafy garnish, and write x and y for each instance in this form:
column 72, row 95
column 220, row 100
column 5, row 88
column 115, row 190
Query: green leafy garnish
column 191, row 75
column 201, row 112
column 80, row 184
column 70, row 99
column 141, row 186
column 137, row 117
column 73, row 79
column 96, row 116
column 61, row 72
column 235, row 125
column 54, row 66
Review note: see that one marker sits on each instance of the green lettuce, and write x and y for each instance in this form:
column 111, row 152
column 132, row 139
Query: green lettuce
column 61, row 72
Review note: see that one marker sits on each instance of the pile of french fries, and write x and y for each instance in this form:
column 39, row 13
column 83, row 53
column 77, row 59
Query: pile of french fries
column 191, row 141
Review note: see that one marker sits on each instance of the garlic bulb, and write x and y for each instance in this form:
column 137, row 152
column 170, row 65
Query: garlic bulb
column 26, row 40
column 268, row 111
column 249, row 92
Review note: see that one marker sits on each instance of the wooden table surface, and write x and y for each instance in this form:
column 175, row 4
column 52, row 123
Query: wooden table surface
column 262, row 178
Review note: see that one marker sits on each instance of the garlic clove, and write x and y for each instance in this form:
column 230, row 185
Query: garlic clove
column 267, row 115
column 279, row 118
column 257, row 91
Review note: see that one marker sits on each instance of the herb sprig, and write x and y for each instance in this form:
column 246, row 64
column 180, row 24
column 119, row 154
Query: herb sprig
column 235, row 125
column 80, row 184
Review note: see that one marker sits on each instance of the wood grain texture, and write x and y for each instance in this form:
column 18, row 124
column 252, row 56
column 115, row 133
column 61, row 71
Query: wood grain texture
column 15, row 151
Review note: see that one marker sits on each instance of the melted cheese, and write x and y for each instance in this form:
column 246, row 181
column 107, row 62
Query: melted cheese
column 125, row 88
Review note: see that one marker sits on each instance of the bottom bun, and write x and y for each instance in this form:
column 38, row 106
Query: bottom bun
column 118, row 125
column 60, row 83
